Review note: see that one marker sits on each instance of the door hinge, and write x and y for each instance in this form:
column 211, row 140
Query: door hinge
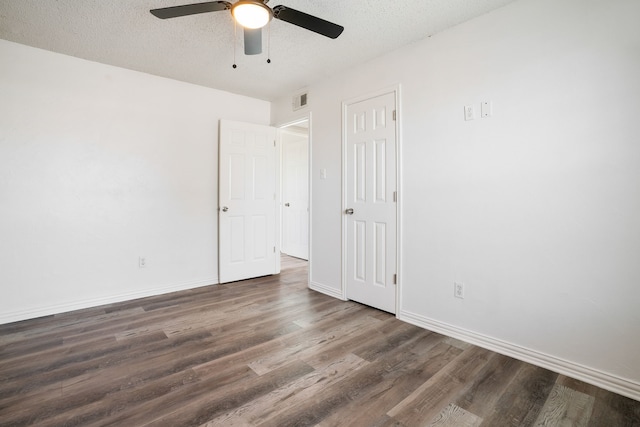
column 394, row 114
column 274, row 142
column 395, row 279
column 395, row 196
column 274, row 249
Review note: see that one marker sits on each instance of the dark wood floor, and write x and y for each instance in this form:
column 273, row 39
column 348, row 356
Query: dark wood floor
column 271, row 352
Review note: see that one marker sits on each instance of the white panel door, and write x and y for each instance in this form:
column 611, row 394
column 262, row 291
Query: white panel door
column 295, row 193
column 370, row 202
column 247, row 201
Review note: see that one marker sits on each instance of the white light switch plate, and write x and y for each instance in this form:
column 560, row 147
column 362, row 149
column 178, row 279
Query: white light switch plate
column 487, row 109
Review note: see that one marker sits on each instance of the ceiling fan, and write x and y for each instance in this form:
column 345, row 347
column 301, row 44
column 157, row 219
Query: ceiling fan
column 252, row 15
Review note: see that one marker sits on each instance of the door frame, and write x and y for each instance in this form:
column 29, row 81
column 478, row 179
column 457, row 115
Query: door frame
column 303, row 117
column 395, row 89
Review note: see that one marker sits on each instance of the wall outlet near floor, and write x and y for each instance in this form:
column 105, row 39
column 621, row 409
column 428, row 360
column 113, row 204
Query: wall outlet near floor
column 142, row 262
column 458, row 290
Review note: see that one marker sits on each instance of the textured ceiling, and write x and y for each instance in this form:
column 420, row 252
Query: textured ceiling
column 199, row 48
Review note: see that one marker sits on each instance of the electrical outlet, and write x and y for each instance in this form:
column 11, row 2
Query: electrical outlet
column 468, row 112
column 458, row 290
column 142, row 262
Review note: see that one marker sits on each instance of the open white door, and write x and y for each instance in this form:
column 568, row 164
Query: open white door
column 295, row 191
column 247, row 202
column 370, row 214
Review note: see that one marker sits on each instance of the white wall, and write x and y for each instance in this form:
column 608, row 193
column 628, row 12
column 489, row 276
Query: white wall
column 98, row 166
column 537, row 209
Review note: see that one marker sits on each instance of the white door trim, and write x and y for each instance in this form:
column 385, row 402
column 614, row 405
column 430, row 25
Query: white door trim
column 396, row 91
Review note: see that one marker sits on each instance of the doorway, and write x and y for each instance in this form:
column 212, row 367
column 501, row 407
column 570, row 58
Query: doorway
column 294, row 187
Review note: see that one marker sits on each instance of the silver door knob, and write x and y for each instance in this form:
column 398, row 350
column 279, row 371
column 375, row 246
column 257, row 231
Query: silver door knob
column 349, row 211
column 224, row 209
column 287, row 204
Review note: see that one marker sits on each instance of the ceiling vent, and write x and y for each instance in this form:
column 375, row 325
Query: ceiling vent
column 300, row 101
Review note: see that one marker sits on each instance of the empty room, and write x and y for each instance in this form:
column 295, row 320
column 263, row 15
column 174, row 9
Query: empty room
column 320, row 213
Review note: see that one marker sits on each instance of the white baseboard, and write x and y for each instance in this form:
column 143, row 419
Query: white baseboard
column 332, row 292
column 598, row 378
column 34, row 312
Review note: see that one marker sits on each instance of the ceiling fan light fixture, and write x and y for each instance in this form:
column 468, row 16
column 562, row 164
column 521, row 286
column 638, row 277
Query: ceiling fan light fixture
column 251, row 13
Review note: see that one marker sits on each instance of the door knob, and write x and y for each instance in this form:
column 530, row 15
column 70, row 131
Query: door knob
column 224, row 209
column 349, row 211
column 287, row 204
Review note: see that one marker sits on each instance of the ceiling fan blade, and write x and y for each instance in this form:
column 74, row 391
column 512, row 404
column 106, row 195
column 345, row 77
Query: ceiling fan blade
column 190, row 9
column 252, row 41
column 310, row 22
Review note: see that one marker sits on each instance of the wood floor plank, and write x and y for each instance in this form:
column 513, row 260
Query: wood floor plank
column 198, row 409
column 69, row 326
column 565, row 406
column 23, row 380
column 147, row 401
column 358, row 386
column 457, row 343
column 270, row 351
column 523, row 400
column 610, row 409
column 255, row 352
column 294, row 394
column 373, row 334
column 577, row 385
column 310, row 345
column 455, row 416
column 399, row 382
column 428, row 400
column 484, row 390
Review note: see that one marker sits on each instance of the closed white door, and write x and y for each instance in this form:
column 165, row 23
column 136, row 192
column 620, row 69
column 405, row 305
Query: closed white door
column 295, row 193
column 370, row 202
column 247, row 201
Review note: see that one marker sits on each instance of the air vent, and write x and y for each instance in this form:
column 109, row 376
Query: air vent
column 300, row 101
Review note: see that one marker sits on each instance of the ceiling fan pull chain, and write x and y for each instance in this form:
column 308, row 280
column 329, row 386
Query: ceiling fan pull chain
column 235, row 36
column 269, row 43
